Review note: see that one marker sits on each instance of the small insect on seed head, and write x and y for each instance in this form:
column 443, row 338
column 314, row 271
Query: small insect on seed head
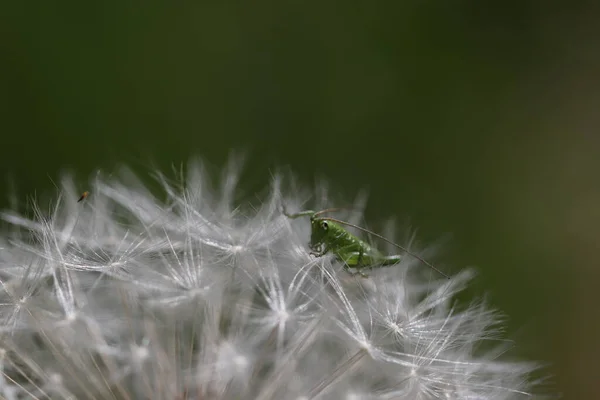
column 327, row 234
column 84, row 195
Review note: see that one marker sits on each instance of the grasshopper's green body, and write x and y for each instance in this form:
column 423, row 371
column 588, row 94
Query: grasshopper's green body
column 328, row 235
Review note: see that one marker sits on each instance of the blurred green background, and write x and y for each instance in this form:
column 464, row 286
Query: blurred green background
column 477, row 118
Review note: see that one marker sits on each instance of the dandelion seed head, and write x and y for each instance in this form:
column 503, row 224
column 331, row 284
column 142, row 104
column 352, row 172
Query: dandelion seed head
column 140, row 354
column 232, row 362
column 71, row 317
column 354, row 396
column 55, row 379
column 283, row 315
column 191, row 293
column 236, row 249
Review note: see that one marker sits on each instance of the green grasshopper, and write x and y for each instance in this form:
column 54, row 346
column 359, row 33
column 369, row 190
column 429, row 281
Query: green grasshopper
column 328, row 234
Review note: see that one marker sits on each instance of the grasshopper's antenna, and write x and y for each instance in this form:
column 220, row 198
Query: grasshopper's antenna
column 296, row 215
column 311, row 213
column 388, row 241
column 332, row 210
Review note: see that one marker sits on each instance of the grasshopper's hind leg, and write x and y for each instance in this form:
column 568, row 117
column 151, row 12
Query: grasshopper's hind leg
column 358, row 272
column 386, row 261
column 355, row 260
column 358, row 261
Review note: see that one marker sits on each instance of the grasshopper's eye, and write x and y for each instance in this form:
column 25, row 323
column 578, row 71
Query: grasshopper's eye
column 324, row 225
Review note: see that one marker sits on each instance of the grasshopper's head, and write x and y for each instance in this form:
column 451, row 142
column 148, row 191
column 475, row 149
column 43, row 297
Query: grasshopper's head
column 319, row 231
column 321, row 228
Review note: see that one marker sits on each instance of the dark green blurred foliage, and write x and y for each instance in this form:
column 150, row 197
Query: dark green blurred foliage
column 475, row 118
